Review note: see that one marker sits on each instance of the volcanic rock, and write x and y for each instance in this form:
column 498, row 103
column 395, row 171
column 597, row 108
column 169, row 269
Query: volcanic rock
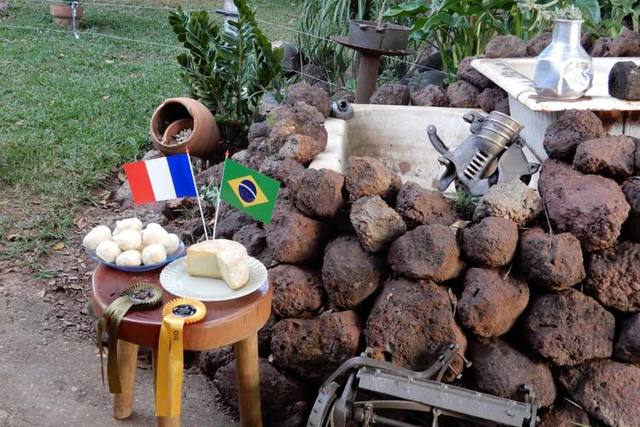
column 391, row 94
column 258, row 130
column 314, row 348
column 627, row 346
column 295, row 238
column 494, row 99
column 513, row 200
column 565, row 415
column 626, row 44
column 296, row 292
column 312, row 95
column 614, row 277
column 264, row 336
column 212, row 360
column 467, row 73
column 506, row 47
column 601, row 47
column 611, row 156
column 491, row 242
column 298, row 132
column 318, row 193
column 537, row 44
column 282, row 170
column 552, row 262
column 592, row 208
column 631, row 189
column 419, row 206
column 349, row 273
column 568, row 328
column 427, row 252
column 230, row 222
column 253, row 237
column 284, row 400
column 430, row 96
column 412, row 323
column 463, row 94
column 607, row 390
column 491, row 302
column 624, row 81
column 502, row 370
column 573, row 127
column 367, row 176
column 375, row 223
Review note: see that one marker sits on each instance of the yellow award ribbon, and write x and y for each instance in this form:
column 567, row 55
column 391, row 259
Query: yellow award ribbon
column 170, row 353
column 139, row 296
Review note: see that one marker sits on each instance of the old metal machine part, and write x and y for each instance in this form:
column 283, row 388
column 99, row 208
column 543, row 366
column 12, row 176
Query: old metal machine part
column 380, row 393
column 493, row 153
column 342, row 109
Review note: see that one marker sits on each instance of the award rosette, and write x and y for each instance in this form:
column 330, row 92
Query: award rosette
column 139, row 296
column 176, row 313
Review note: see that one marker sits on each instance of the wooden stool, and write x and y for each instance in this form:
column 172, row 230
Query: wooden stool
column 227, row 322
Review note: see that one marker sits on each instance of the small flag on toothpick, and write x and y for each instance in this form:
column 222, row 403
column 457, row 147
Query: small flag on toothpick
column 160, row 179
column 249, row 191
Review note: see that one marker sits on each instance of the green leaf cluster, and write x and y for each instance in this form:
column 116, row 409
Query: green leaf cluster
column 614, row 13
column 227, row 71
column 461, row 28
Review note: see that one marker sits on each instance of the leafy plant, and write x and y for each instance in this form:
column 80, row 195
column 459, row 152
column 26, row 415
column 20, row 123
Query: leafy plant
column 227, row 71
column 461, row 28
column 615, row 11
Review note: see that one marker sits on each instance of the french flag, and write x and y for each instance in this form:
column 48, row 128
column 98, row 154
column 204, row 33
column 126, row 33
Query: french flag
column 165, row 178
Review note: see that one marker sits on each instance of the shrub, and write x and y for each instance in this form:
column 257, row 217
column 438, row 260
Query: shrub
column 227, row 71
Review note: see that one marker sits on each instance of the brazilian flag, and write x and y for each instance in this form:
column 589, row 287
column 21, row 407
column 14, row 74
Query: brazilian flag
column 251, row 192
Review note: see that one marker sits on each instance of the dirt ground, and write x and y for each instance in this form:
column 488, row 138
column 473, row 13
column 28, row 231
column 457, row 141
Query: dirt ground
column 49, row 364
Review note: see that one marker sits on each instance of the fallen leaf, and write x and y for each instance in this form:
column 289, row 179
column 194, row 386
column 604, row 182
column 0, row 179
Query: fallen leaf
column 58, row 246
column 109, row 61
column 13, row 237
column 80, row 222
column 104, row 98
column 121, row 175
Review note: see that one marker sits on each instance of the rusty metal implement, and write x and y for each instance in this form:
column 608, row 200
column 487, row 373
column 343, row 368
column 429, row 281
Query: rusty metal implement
column 367, row 392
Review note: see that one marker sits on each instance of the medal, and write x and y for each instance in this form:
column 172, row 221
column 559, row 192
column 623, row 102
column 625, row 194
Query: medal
column 170, row 362
column 139, row 296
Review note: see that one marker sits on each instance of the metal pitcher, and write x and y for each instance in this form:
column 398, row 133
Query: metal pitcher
column 564, row 69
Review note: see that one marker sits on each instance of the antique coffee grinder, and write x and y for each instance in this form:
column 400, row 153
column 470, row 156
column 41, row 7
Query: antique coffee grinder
column 493, row 153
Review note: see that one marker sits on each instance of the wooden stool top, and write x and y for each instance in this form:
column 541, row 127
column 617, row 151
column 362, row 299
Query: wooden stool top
column 227, row 322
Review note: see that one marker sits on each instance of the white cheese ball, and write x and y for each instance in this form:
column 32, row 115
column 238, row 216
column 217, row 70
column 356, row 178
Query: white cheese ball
column 127, row 224
column 96, row 236
column 108, row 251
column 128, row 240
column 129, row 259
column 154, row 234
column 171, row 243
column 153, row 254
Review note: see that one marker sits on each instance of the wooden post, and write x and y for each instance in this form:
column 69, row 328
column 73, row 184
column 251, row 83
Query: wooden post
column 248, row 377
column 367, row 77
column 127, row 365
column 161, row 421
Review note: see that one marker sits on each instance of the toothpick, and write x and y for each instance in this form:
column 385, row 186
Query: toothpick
column 215, row 218
column 204, row 223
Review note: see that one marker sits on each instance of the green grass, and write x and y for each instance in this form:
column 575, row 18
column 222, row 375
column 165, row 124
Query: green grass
column 73, row 111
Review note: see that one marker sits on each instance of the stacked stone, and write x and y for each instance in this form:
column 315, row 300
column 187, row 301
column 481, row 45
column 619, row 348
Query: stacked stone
column 362, row 260
column 473, row 90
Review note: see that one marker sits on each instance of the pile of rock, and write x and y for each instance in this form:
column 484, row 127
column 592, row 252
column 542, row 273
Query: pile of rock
column 362, row 260
column 473, row 90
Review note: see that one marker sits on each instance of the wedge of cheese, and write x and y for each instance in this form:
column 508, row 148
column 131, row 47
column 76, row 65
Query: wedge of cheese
column 219, row 259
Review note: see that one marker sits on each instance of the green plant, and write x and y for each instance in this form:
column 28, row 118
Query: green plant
column 465, row 204
column 227, row 71
column 461, row 28
column 615, row 11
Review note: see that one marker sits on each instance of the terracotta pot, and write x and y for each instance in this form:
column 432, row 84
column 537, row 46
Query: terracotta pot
column 63, row 14
column 205, row 135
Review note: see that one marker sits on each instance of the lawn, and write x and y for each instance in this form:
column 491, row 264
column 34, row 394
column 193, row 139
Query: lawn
column 74, row 110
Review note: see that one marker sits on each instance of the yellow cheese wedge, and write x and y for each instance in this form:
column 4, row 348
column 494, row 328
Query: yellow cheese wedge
column 219, row 259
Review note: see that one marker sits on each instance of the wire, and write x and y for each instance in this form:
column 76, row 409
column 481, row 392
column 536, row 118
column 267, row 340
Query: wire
column 112, row 36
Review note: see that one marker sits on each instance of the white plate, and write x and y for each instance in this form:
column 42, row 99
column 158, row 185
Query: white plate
column 175, row 279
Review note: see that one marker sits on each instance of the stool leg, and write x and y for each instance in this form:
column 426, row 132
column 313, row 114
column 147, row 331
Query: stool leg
column 248, row 377
column 162, row 421
column 127, row 365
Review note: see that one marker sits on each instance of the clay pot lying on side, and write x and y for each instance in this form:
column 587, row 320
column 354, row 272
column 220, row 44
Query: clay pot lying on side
column 63, row 14
column 174, row 118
